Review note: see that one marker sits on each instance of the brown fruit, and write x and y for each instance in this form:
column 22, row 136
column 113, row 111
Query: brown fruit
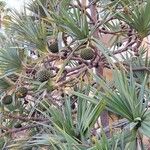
column 21, row 92
column 53, row 47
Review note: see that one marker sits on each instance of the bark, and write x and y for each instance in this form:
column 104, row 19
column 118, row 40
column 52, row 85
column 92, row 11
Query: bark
column 99, row 70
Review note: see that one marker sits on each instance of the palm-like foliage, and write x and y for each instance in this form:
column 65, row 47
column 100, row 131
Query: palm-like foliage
column 35, row 8
column 127, row 102
column 126, row 99
column 10, row 60
column 28, row 30
column 74, row 23
column 138, row 18
column 66, row 132
column 4, row 85
column 85, row 119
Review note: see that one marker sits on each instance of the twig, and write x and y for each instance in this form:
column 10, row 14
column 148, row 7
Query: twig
column 10, row 116
column 110, row 32
column 71, row 78
column 14, row 130
column 124, row 49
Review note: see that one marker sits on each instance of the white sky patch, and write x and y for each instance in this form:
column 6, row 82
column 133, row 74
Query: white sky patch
column 16, row 4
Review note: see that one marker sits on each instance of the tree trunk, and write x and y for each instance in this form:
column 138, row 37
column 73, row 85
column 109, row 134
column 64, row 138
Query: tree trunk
column 99, row 70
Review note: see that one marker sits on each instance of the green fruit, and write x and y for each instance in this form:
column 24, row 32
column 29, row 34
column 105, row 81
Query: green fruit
column 50, row 87
column 43, row 75
column 21, row 92
column 87, row 54
column 17, row 125
column 7, row 100
column 53, row 47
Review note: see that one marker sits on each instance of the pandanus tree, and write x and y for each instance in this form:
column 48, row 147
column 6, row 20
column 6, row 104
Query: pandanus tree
column 54, row 90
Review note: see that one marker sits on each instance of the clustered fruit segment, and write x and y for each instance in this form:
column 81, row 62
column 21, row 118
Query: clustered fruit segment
column 43, row 75
column 21, row 92
column 7, row 100
column 53, row 47
column 87, row 54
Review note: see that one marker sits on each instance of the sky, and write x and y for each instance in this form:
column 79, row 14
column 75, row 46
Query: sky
column 17, row 4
